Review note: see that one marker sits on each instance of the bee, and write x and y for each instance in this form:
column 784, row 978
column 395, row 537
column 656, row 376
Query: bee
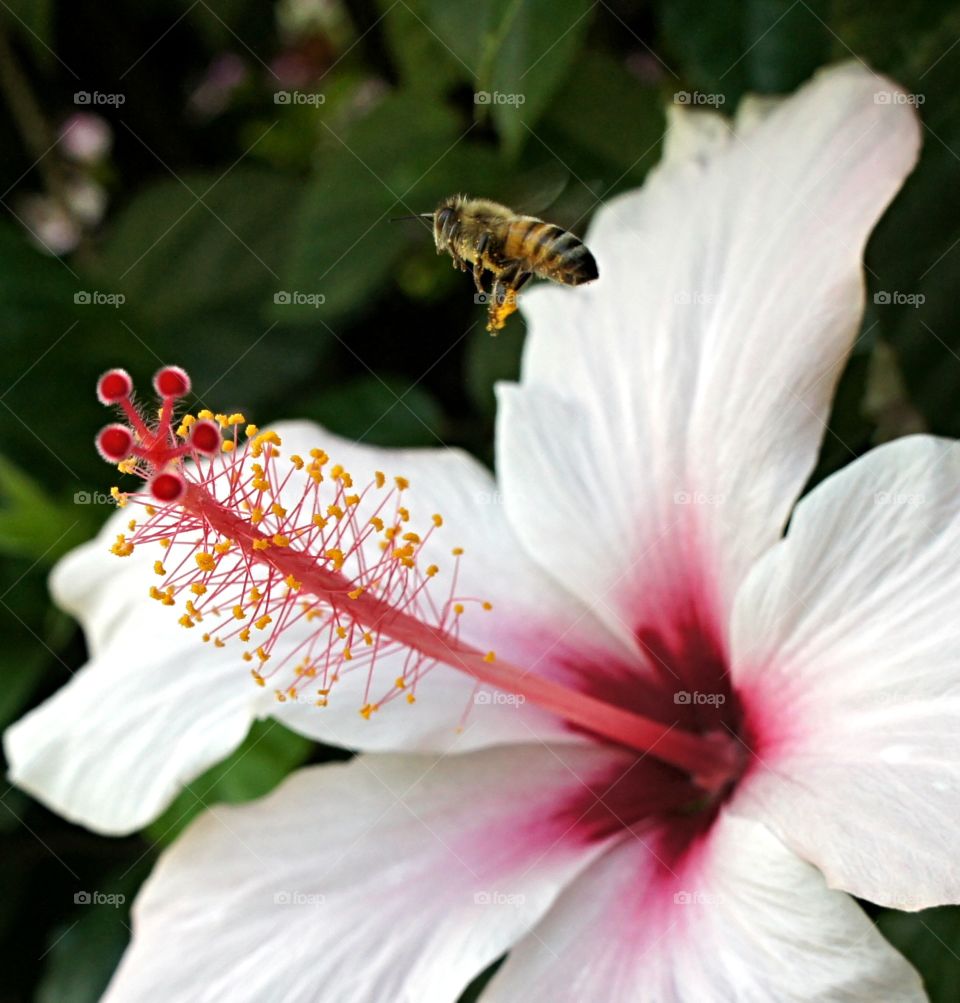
column 489, row 237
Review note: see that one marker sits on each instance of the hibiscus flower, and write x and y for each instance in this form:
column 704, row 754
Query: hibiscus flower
column 706, row 732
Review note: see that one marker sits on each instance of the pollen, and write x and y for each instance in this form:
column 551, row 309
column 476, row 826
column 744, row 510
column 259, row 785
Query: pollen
column 205, row 561
column 490, row 656
column 158, row 568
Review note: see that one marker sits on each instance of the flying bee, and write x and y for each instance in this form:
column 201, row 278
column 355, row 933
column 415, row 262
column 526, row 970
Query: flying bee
column 489, row 237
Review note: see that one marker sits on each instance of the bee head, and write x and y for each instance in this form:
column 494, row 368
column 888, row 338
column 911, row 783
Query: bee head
column 444, row 217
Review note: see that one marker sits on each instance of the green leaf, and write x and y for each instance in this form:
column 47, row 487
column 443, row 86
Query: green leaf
column 528, row 49
column 769, row 46
column 33, row 526
column 383, row 410
column 199, row 262
column 267, row 755
column 603, row 118
column 490, row 360
column 85, row 949
column 930, row 940
column 32, row 20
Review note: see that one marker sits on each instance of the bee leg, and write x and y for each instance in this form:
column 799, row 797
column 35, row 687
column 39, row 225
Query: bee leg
column 503, row 301
column 478, row 265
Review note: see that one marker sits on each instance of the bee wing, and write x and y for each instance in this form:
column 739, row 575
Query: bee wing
column 532, row 193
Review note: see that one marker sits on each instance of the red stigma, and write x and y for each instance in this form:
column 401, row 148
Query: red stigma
column 205, row 437
column 168, row 487
column 115, row 443
column 114, row 386
column 171, row 381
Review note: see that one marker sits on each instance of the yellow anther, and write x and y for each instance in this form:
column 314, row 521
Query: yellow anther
column 336, row 556
column 221, row 420
column 336, row 471
column 205, row 414
column 347, row 654
column 367, row 710
column 377, row 523
column 404, row 514
column 261, row 544
column 254, row 595
column 320, row 456
column 457, row 551
column 247, row 656
column 262, row 655
column 368, row 637
column 185, row 621
column 488, row 606
column 122, row 547
column 149, row 509
column 158, row 568
column 278, row 510
column 432, row 570
column 132, row 525
column 165, row 542
column 261, row 624
column 223, row 546
column 257, row 678
column 400, row 683
column 490, row 656
column 281, row 540
column 228, row 446
column 411, row 698
column 458, row 608
column 198, row 588
column 335, row 511
column 411, row 537
column 402, row 483
column 356, row 593
column 155, row 593
column 205, row 561
column 256, row 515
column 297, row 461
column 319, row 521
column 437, row 519
column 206, row 638
column 251, row 431
column 352, row 500
column 218, row 643
column 380, row 478
column 238, row 613
column 127, row 466
column 341, row 632
column 244, row 635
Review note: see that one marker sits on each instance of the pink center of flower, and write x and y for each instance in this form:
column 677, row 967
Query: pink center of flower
column 257, row 546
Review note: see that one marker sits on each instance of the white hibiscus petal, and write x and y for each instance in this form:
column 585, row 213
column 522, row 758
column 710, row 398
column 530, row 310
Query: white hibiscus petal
column 846, row 646
column 149, row 713
column 748, row 922
column 388, row 878
column 692, row 381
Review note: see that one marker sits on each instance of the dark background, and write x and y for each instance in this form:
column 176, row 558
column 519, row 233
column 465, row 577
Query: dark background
column 213, row 198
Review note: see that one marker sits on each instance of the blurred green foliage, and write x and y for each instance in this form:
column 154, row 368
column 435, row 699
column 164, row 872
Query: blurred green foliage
column 226, row 202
